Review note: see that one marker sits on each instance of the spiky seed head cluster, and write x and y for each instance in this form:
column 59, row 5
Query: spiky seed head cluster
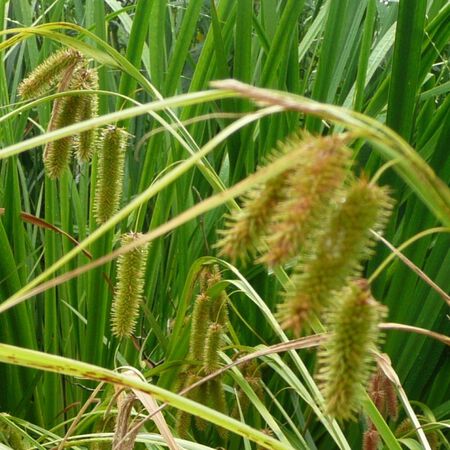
column 69, row 110
column 336, row 252
column 48, row 73
column 111, row 160
column 209, row 317
column 308, row 191
column 68, row 70
column 345, row 359
column 129, row 287
column 282, row 212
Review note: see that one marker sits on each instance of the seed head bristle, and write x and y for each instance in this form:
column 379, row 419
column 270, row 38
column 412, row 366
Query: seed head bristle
column 129, row 287
column 48, row 73
column 110, row 173
column 345, row 359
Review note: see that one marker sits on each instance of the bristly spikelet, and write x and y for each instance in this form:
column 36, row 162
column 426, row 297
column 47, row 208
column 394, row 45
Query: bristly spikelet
column 246, row 226
column 336, row 253
column 66, row 111
column 371, row 439
column 48, row 73
column 308, row 191
column 383, row 395
column 57, row 153
column 129, row 287
column 86, row 79
column 110, row 173
column 345, row 359
column 199, row 327
column 211, row 358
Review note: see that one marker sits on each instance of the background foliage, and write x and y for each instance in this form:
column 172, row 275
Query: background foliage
column 386, row 59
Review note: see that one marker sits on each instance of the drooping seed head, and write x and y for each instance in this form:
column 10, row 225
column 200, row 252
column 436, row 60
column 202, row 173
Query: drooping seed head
column 217, row 401
column 48, row 73
column 199, row 327
column 111, row 160
column 345, row 359
column 129, row 287
column 371, row 439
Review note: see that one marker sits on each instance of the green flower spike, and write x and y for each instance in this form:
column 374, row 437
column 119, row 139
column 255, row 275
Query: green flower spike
column 199, row 327
column 66, row 111
column 308, row 191
column 211, row 358
column 246, row 226
column 129, row 287
column 345, row 359
column 57, row 153
column 110, row 173
column 336, row 253
column 48, row 73
column 86, row 142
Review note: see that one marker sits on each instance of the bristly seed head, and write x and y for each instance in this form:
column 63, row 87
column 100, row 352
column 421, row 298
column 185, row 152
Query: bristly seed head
column 129, row 287
column 86, row 141
column 48, row 73
column 66, row 111
column 345, row 359
column 110, row 173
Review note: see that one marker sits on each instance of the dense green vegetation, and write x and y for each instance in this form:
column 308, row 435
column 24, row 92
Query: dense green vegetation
column 173, row 157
